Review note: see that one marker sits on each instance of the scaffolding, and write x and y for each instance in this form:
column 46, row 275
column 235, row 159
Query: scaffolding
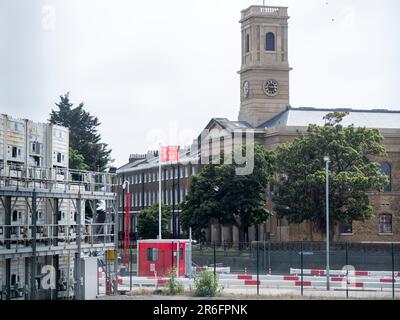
column 43, row 225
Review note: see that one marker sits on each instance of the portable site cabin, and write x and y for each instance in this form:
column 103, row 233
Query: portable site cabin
column 158, row 257
column 32, row 144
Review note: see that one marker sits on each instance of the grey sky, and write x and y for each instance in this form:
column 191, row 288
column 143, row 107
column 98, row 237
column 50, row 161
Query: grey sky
column 151, row 68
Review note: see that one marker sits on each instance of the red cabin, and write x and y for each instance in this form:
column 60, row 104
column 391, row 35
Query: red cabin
column 158, row 257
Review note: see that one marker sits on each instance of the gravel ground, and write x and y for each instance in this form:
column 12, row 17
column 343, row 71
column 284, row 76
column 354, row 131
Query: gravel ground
column 251, row 294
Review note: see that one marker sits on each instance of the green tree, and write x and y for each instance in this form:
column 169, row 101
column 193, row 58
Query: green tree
column 76, row 160
column 147, row 225
column 84, row 138
column 219, row 194
column 300, row 177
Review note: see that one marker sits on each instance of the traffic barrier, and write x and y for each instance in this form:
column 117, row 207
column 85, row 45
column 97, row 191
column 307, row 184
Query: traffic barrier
column 310, row 282
column 222, row 270
column 322, row 272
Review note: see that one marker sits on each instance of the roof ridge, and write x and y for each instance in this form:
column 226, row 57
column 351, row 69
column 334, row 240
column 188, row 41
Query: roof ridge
column 375, row 110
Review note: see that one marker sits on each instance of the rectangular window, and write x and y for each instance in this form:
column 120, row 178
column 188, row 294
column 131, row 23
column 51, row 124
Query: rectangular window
column 15, row 215
column 152, row 254
column 247, row 43
column 15, row 126
column 186, row 172
column 37, row 161
column 346, row 228
column 180, row 254
column 14, row 152
column 58, row 157
column 385, row 224
column 36, row 148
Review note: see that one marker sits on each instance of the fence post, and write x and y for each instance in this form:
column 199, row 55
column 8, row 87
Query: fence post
column 301, row 266
column 215, row 261
column 130, row 268
column 172, row 260
column 258, row 270
column 393, row 295
column 269, row 257
column 347, row 269
column 264, row 255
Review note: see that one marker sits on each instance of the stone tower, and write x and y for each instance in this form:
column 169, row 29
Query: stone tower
column 264, row 75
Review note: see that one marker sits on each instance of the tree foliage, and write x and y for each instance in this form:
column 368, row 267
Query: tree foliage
column 87, row 150
column 147, row 226
column 300, row 180
column 76, row 160
column 218, row 195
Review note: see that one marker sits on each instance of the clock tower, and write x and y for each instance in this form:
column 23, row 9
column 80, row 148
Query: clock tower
column 264, row 75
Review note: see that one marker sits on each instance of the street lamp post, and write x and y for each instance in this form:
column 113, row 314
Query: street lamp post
column 327, row 161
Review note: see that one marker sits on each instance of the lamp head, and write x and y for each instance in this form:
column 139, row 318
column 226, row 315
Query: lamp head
column 327, row 159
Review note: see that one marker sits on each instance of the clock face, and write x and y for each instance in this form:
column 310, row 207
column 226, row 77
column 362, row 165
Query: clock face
column 246, row 89
column 271, row 87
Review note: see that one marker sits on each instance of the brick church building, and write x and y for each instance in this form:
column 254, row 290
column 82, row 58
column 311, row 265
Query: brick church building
column 265, row 111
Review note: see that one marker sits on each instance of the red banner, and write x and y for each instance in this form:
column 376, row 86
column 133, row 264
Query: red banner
column 169, row 153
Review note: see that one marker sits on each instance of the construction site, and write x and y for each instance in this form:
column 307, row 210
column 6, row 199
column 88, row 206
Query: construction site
column 50, row 232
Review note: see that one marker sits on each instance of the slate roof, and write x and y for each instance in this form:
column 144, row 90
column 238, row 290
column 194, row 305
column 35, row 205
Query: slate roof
column 302, row 117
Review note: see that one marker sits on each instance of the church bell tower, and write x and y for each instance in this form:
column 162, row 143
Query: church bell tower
column 264, row 75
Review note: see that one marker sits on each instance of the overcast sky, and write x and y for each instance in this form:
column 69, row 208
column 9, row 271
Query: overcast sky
column 166, row 67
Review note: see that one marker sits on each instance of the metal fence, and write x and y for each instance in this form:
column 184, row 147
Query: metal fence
column 259, row 267
column 302, row 265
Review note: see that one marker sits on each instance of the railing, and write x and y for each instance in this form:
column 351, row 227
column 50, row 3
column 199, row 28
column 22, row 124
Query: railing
column 55, row 178
column 265, row 10
column 47, row 235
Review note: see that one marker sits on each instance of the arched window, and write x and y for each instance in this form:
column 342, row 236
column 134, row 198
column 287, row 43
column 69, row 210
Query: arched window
column 385, row 223
column 270, row 42
column 247, row 45
column 386, row 169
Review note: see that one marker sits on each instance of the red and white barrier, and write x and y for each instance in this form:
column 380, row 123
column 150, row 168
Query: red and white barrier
column 222, row 270
column 322, row 272
column 279, row 281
